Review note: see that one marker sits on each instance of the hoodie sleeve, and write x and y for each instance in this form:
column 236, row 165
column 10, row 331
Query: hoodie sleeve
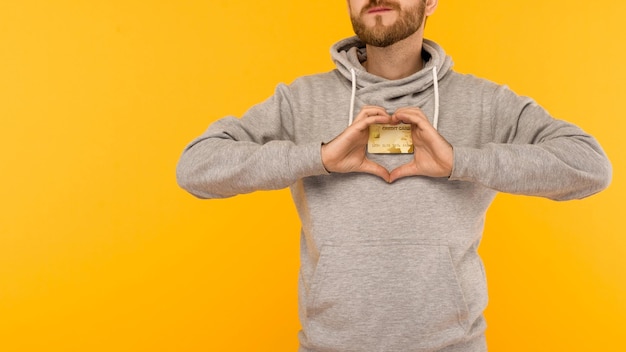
column 533, row 154
column 256, row 152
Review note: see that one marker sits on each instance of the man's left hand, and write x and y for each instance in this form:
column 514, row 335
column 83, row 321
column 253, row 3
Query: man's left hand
column 433, row 156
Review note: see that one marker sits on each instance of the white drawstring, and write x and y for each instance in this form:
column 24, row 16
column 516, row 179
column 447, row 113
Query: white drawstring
column 435, row 86
column 353, row 97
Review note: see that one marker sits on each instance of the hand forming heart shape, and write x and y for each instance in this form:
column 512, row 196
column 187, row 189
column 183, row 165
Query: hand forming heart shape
column 433, row 155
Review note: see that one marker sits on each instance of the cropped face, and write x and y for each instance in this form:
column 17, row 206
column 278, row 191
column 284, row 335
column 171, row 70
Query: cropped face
column 384, row 22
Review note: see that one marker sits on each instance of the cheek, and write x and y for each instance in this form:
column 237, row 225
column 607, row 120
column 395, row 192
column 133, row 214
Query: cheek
column 350, row 6
column 355, row 6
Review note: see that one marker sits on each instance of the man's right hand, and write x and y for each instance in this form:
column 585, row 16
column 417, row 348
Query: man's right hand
column 347, row 152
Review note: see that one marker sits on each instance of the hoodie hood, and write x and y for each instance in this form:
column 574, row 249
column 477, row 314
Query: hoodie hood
column 370, row 89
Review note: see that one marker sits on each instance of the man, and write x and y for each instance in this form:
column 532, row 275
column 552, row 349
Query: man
column 389, row 238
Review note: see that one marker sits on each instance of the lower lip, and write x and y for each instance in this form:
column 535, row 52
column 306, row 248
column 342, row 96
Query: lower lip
column 379, row 11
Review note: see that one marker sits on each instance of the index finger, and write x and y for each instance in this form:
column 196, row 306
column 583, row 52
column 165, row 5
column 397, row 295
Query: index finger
column 370, row 115
column 414, row 116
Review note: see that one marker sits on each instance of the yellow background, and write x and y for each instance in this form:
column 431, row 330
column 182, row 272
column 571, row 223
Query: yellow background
column 101, row 251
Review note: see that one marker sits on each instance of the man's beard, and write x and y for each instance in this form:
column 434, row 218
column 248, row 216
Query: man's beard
column 409, row 21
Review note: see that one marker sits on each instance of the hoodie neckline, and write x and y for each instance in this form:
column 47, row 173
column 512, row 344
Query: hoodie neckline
column 348, row 55
column 350, row 52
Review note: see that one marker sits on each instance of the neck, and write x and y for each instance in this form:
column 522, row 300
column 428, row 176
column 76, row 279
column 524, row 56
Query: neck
column 398, row 60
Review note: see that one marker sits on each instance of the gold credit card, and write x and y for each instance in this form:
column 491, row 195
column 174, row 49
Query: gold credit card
column 390, row 139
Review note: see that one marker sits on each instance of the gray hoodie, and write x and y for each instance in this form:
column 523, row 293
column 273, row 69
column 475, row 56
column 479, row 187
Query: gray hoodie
column 394, row 267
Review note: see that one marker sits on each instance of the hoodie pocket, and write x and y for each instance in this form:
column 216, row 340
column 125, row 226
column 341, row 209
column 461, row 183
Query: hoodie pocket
column 386, row 297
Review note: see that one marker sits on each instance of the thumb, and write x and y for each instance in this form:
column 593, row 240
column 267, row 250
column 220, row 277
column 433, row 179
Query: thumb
column 403, row 171
column 373, row 168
